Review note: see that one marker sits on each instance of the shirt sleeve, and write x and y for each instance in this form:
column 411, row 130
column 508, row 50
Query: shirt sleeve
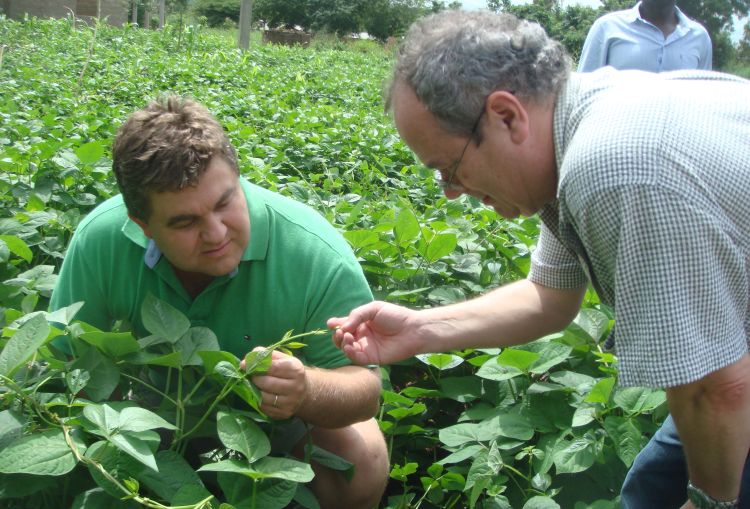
column 706, row 62
column 681, row 287
column 553, row 265
column 342, row 288
column 77, row 282
column 594, row 53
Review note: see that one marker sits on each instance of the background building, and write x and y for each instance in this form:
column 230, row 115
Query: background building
column 115, row 11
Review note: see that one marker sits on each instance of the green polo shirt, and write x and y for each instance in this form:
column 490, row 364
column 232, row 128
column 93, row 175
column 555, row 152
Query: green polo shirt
column 296, row 272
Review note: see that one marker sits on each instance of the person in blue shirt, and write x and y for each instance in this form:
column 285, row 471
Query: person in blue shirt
column 653, row 36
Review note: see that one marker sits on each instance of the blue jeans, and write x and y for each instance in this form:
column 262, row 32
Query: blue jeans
column 658, row 478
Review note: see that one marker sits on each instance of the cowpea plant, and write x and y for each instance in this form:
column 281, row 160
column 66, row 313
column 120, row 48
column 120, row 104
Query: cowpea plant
column 168, row 420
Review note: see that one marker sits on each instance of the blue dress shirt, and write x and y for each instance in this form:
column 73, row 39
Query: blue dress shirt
column 624, row 40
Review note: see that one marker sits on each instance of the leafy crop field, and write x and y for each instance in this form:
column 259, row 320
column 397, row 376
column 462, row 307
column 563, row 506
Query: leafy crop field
column 535, row 427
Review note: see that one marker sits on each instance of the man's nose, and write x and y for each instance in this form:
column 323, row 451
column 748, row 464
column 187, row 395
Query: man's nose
column 214, row 229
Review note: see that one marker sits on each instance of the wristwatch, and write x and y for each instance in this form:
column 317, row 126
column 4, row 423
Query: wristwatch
column 702, row 500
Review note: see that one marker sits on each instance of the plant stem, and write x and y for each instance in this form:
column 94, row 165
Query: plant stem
column 149, row 386
column 224, row 392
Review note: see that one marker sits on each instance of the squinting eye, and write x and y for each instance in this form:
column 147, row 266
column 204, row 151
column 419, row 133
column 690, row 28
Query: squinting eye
column 183, row 225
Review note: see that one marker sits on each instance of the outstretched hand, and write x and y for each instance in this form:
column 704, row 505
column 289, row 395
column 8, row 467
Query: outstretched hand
column 377, row 333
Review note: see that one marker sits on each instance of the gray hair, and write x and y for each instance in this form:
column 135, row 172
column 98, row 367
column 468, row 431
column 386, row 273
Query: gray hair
column 454, row 59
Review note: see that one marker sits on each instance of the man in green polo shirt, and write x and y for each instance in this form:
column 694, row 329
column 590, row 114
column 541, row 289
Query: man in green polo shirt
column 246, row 263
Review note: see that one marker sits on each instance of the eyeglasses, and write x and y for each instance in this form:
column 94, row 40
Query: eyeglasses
column 448, row 184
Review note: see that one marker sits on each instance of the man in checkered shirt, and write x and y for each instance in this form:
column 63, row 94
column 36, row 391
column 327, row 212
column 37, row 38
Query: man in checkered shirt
column 642, row 182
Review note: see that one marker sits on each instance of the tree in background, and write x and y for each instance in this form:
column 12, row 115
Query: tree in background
column 387, row 18
column 716, row 16
column 568, row 25
column 217, row 12
column 284, row 13
column 337, row 16
column 379, row 18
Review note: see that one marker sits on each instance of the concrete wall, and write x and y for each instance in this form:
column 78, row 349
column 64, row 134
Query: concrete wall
column 116, row 11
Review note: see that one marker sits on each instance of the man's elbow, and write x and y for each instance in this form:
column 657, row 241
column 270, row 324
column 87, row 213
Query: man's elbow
column 724, row 390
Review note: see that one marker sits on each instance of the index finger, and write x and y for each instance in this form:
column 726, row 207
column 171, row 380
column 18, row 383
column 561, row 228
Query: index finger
column 356, row 317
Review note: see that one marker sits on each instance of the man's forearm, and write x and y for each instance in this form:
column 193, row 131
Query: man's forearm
column 712, row 417
column 340, row 397
column 512, row 314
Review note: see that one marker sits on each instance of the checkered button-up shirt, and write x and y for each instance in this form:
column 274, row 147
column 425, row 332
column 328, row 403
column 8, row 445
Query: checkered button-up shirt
column 653, row 208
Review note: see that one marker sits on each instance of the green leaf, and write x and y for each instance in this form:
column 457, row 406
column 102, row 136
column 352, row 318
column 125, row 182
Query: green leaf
column 637, row 400
column 170, row 360
column 305, row 497
column 191, row 494
column 242, row 434
column 573, row 456
column 481, row 468
column 112, row 344
column 551, row 355
column 541, row 502
column 104, row 375
column 275, row 494
column 268, row 467
column 161, row 319
column 22, row 485
column 104, row 418
column 510, row 426
column 578, row 381
column 76, row 380
column 583, row 416
column 212, row 358
column 491, row 370
column 332, row 461
column 460, row 434
column 626, row 436
column 461, row 388
column 441, row 361
column 134, row 445
column 593, row 322
column 24, row 344
column 11, row 427
column 120, row 465
column 441, row 245
column 462, row 454
column 400, row 473
column 361, row 238
column 519, row 359
column 140, row 419
column 258, row 361
column 18, row 247
column 97, row 498
column 64, row 315
column 196, row 339
column 44, row 453
column 601, row 391
column 174, row 474
column 90, row 152
column 406, row 228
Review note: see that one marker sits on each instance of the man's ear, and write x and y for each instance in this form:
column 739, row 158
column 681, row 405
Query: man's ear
column 142, row 224
column 505, row 107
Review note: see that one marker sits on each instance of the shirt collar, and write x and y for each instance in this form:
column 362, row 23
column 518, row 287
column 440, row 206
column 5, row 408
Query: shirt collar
column 634, row 15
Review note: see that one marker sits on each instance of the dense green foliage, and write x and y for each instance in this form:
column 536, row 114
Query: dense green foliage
column 537, row 426
column 217, row 12
column 380, row 18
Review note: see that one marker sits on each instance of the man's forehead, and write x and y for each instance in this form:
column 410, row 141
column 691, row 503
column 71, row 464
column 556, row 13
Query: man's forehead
column 191, row 201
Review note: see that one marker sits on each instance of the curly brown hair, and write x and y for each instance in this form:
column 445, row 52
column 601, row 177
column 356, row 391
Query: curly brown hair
column 166, row 146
